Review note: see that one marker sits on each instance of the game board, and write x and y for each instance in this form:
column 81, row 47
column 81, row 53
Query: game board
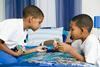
column 52, row 57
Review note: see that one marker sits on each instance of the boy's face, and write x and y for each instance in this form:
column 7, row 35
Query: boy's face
column 35, row 23
column 76, row 32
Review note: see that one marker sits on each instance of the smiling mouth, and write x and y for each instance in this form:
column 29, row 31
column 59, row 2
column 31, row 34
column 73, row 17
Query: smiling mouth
column 71, row 37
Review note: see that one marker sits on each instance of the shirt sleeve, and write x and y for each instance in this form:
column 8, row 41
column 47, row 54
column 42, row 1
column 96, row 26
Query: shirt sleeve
column 6, row 31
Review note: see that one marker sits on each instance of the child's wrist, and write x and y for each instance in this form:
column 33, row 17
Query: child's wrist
column 16, row 54
column 34, row 50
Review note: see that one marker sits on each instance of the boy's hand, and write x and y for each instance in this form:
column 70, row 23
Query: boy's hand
column 55, row 44
column 41, row 49
column 63, row 47
column 18, row 53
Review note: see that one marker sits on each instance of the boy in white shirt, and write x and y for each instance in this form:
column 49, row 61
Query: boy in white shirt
column 80, row 27
column 13, row 32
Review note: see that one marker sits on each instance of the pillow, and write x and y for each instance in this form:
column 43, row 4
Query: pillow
column 41, row 35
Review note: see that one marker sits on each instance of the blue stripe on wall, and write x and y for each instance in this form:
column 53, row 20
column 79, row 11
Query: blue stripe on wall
column 65, row 10
column 14, row 8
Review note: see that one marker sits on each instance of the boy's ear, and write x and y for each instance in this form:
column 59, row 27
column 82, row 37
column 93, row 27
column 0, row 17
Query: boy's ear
column 30, row 19
column 84, row 29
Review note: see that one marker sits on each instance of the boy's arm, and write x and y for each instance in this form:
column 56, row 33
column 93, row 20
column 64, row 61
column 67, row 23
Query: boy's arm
column 37, row 49
column 76, row 55
column 69, row 49
column 9, row 51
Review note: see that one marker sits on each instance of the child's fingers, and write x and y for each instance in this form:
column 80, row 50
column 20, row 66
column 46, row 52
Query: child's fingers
column 19, row 52
column 58, row 43
column 60, row 47
column 41, row 49
column 55, row 44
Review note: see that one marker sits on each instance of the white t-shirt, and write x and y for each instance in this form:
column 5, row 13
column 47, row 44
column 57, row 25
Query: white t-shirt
column 91, row 49
column 12, row 32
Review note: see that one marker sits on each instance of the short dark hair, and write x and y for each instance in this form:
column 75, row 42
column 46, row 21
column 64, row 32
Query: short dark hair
column 32, row 10
column 83, row 20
